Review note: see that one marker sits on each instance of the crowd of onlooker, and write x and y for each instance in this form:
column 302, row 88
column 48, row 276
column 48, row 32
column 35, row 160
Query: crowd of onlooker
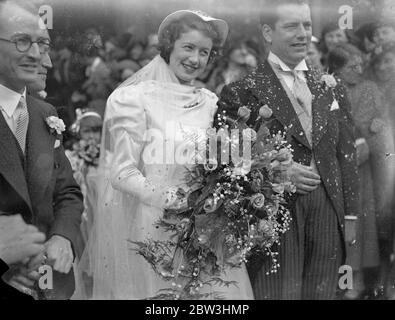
column 364, row 62
column 88, row 68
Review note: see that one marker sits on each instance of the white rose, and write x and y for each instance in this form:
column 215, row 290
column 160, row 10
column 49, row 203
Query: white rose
column 265, row 112
column 329, row 80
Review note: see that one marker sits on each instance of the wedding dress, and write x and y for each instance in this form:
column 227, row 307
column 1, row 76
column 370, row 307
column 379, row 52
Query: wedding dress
column 151, row 132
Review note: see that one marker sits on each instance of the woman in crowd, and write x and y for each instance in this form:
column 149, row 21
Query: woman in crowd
column 240, row 60
column 331, row 35
column 374, row 141
column 367, row 42
column 159, row 100
column 383, row 67
column 385, row 33
column 136, row 51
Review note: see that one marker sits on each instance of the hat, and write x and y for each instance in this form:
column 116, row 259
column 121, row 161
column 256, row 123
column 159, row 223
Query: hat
column 220, row 25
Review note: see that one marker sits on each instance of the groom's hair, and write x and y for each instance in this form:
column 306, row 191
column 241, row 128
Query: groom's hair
column 269, row 14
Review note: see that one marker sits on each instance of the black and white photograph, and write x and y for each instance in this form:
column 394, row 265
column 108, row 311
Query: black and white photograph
column 200, row 150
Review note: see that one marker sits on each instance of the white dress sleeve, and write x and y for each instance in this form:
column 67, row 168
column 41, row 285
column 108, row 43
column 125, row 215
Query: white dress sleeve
column 127, row 124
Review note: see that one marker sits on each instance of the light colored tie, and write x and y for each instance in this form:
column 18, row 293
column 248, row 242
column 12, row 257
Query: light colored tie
column 22, row 124
column 302, row 93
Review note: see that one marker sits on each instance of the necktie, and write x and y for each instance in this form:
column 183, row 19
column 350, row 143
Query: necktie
column 22, row 123
column 302, row 93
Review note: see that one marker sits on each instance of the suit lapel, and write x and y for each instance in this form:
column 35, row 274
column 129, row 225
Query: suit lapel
column 39, row 155
column 320, row 105
column 269, row 90
column 10, row 164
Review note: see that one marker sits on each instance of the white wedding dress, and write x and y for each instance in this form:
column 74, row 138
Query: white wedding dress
column 140, row 120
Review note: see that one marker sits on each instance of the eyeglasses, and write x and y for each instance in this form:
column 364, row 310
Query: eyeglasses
column 24, row 44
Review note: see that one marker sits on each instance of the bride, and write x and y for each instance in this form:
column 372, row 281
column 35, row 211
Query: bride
column 147, row 149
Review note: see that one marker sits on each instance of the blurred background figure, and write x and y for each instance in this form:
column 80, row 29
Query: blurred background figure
column 374, row 142
column 385, row 33
column 314, row 54
column 151, row 50
column 331, row 35
column 367, row 41
column 383, row 67
column 136, row 52
column 240, row 59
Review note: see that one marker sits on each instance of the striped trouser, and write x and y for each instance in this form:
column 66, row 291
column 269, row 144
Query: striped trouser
column 310, row 254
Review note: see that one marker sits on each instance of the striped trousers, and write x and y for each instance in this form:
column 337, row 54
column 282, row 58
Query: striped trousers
column 310, row 255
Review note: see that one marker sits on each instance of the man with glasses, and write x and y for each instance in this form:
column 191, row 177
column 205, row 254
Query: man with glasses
column 36, row 179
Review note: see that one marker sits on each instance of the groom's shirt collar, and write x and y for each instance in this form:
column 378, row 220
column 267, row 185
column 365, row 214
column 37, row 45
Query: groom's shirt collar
column 302, row 66
column 10, row 100
column 286, row 73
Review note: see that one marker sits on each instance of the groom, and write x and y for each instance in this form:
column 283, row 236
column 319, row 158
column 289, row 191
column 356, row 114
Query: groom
column 324, row 169
column 35, row 176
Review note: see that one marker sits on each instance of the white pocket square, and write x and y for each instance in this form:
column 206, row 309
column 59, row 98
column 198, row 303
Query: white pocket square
column 57, row 144
column 335, row 105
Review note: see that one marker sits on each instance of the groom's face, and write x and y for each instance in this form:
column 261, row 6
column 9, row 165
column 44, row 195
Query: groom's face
column 291, row 35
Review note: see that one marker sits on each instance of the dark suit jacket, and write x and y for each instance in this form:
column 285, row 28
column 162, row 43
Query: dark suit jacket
column 333, row 140
column 40, row 186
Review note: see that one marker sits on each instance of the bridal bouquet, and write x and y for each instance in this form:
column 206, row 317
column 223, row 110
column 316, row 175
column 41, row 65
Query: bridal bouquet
column 87, row 152
column 84, row 156
column 235, row 209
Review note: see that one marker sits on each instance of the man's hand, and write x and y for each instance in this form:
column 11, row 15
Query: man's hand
column 19, row 241
column 60, row 254
column 304, row 178
column 28, row 274
column 23, row 277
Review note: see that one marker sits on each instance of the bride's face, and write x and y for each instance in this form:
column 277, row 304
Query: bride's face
column 190, row 55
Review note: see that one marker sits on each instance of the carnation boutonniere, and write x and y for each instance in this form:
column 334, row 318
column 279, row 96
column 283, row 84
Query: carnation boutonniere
column 329, row 81
column 55, row 125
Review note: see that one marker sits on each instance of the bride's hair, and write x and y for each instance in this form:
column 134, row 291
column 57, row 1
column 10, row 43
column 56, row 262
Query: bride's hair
column 173, row 31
